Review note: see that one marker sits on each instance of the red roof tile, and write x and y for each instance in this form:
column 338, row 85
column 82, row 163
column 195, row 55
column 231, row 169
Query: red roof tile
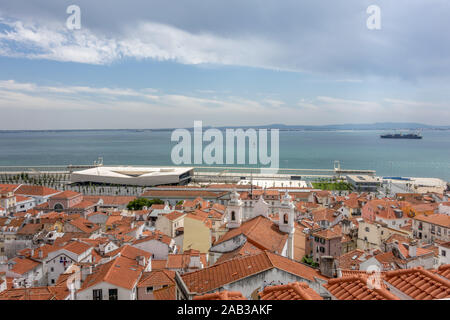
column 291, row 291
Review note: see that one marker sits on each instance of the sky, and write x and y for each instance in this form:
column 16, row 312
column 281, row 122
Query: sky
column 166, row 63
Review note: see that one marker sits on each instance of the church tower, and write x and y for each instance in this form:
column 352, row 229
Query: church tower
column 286, row 215
column 234, row 211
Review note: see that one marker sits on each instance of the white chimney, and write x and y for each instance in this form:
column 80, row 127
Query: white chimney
column 72, row 291
column 195, row 262
column 412, row 249
column 141, row 260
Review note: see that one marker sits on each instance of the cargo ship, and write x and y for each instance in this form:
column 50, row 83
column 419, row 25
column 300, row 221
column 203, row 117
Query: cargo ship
column 401, row 136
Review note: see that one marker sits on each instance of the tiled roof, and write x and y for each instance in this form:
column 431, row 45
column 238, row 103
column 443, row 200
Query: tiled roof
column 385, row 208
column 181, row 260
column 245, row 250
column 444, row 271
column 221, row 295
column 36, row 293
column 23, row 265
column 68, row 194
column 5, row 188
column 122, row 272
column 84, row 225
column 22, row 199
column 356, row 288
column 158, row 264
column 291, row 291
column 181, row 193
column 218, row 275
column 30, row 229
column 168, row 293
column 156, row 235
column 77, row 247
column 261, row 232
column 111, row 200
column 439, row 219
column 174, row 215
column 419, row 284
column 351, row 260
column 157, row 278
column 31, row 190
column 83, row 205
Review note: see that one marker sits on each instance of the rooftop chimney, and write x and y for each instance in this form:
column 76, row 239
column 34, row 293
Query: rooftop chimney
column 412, row 249
column 141, row 260
column 327, row 266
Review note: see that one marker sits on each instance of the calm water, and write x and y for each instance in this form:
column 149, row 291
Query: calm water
column 429, row 157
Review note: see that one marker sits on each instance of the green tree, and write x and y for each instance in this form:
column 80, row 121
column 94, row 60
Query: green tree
column 139, row 203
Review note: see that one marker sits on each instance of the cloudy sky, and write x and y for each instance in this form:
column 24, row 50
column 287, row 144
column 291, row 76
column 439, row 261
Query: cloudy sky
column 166, row 63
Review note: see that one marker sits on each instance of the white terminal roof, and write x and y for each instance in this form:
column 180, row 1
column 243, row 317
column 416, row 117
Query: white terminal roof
column 134, row 172
column 140, row 176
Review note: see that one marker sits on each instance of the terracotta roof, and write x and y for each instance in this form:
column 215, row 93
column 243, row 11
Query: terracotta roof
column 174, row 215
column 221, row 295
column 68, row 194
column 444, row 271
column 181, row 260
column 351, row 260
column 77, row 247
column 23, row 265
column 246, row 249
column 155, row 235
column 22, row 198
column 168, row 293
column 439, row 219
column 83, row 205
column 383, row 208
column 181, row 193
column 218, row 275
column 36, row 293
column 5, row 188
column 419, row 284
column 291, row 291
column 356, row 288
column 84, row 225
column 261, row 232
column 122, row 271
column 111, row 200
column 157, row 278
column 30, row 229
column 327, row 234
column 158, row 264
column 32, row 190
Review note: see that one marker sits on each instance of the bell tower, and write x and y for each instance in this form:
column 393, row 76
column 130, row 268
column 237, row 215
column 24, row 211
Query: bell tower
column 234, row 211
column 286, row 215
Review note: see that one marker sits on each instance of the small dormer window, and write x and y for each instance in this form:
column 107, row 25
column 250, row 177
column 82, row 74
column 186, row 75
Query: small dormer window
column 285, row 218
column 233, row 216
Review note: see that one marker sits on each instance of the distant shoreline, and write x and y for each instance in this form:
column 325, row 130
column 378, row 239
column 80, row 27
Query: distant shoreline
column 281, row 127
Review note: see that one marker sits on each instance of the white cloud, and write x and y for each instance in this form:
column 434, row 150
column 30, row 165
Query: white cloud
column 141, row 41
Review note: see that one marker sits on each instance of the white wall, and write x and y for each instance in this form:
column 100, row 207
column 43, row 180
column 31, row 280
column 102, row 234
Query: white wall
column 123, row 294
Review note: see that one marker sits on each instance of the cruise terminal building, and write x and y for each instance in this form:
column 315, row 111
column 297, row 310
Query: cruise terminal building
column 134, row 176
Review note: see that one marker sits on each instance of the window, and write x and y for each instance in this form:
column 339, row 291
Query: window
column 53, row 281
column 52, row 269
column 112, row 294
column 97, row 294
column 367, row 229
column 233, row 216
column 58, row 207
column 443, row 253
column 149, row 290
column 285, row 218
